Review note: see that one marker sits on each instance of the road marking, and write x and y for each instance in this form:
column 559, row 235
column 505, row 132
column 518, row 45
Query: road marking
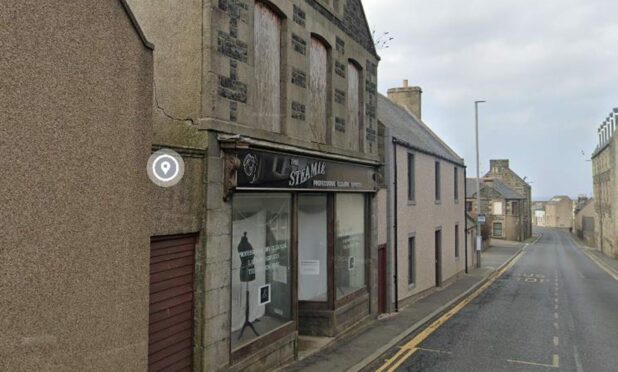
column 533, row 363
column 433, row 350
column 556, row 315
column 556, row 361
column 556, row 341
column 602, row 265
column 411, row 346
column 556, row 325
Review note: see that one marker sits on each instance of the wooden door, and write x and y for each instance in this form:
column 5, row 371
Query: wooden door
column 170, row 331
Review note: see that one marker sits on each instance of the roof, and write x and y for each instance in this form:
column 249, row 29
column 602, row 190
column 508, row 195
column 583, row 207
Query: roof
column 409, row 130
column 499, row 186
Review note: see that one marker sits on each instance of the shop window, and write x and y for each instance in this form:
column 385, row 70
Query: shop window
column 261, row 282
column 267, row 30
column 497, row 229
column 312, row 248
column 349, row 244
column 411, row 178
column 318, row 89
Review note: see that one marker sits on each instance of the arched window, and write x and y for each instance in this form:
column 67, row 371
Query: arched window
column 318, row 89
column 267, row 33
column 355, row 107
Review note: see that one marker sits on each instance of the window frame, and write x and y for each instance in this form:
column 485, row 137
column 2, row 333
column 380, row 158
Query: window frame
column 411, row 260
column 411, row 177
column 437, row 182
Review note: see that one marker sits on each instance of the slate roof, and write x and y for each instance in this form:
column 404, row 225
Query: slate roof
column 407, row 128
column 499, row 186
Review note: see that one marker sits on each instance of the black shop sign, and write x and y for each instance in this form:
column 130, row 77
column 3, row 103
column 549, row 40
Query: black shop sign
column 271, row 170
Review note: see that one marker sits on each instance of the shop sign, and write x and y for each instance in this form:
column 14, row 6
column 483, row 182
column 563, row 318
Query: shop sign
column 271, row 170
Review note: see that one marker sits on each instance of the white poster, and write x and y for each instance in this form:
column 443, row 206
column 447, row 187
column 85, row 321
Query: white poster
column 310, row 267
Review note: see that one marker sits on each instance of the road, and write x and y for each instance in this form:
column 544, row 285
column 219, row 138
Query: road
column 554, row 309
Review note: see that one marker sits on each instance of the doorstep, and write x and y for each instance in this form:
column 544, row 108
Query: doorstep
column 309, row 345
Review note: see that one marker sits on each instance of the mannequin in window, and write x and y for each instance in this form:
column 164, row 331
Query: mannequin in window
column 247, row 274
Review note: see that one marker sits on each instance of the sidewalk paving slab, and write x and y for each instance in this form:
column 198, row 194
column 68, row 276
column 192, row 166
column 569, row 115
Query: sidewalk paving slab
column 374, row 339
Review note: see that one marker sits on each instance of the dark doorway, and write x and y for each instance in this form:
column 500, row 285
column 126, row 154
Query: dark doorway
column 382, row 279
column 170, row 333
column 438, row 240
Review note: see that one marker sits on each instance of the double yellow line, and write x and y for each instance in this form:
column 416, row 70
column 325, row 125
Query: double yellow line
column 411, row 346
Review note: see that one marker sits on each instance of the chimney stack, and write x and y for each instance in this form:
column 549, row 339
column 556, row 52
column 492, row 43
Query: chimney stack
column 407, row 97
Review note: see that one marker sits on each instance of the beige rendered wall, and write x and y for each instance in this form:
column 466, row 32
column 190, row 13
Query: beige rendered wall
column 75, row 136
column 559, row 214
column 423, row 217
column 175, row 27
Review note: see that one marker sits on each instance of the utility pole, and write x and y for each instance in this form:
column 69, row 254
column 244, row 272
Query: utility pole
column 479, row 238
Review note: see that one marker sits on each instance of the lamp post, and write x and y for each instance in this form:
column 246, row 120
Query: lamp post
column 479, row 239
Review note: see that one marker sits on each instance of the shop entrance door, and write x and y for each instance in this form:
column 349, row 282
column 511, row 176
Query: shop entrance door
column 312, row 248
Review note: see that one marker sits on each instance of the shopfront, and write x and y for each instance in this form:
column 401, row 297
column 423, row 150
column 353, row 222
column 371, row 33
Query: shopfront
column 300, row 246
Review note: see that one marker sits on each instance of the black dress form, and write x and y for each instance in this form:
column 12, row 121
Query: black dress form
column 247, row 274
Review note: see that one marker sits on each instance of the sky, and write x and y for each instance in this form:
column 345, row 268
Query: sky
column 547, row 69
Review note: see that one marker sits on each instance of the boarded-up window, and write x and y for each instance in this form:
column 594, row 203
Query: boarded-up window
column 318, row 89
column 267, row 69
column 497, row 208
column 354, row 108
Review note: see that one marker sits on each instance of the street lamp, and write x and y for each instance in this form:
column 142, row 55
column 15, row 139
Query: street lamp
column 479, row 239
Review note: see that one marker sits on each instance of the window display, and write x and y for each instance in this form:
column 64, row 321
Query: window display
column 261, row 285
column 349, row 244
column 312, row 248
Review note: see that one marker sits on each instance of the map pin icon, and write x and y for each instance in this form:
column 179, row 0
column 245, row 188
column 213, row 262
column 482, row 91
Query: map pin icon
column 165, row 166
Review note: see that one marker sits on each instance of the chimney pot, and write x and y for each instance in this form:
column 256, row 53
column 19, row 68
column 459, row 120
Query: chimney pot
column 405, row 83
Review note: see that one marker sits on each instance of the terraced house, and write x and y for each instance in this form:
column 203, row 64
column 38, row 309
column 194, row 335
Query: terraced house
column 272, row 105
column 422, row 207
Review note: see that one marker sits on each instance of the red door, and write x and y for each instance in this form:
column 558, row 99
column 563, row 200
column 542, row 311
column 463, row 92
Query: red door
column 170, row 331
column 382, row 279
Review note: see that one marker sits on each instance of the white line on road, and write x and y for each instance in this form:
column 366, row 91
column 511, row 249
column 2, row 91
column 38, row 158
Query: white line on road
column 556, row 341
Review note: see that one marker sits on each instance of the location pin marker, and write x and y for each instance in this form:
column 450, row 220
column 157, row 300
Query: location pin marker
column 165, row 166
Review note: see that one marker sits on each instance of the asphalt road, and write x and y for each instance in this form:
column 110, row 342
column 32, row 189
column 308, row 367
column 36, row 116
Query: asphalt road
column 553, row 310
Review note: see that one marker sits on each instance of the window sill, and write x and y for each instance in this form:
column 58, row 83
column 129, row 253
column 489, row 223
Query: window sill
column 411, row 202
column 411, row 286
column 438, row 202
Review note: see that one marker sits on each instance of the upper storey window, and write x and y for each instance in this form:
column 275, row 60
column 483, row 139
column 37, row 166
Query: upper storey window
column 354, row 107
column 318, row 89
column 267, row 68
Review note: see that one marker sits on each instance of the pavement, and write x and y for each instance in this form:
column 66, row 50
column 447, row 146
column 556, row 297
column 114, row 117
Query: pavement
column 552, row 308
column 368, row 343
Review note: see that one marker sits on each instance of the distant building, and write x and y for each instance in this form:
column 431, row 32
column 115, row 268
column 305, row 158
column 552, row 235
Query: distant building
column 605, row 179
column 538, row 214
column 584, row 222
column 426, row 221
column 502, row 206
column 499, row 169
column 559, row 212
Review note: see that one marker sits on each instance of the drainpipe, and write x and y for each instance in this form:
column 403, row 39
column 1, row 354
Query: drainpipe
column 395, row 239
column 465, row 218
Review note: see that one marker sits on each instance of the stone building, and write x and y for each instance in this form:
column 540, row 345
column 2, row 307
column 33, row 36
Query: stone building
column 559, row 212
column 272, row 105
column 605, row 183
column 583, row 223
column 502, row 206
column 538, row 214
column 499, row 169
column 75, row 134
column 423, row 202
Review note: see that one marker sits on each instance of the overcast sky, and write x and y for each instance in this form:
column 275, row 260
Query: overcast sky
column 548, row 69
